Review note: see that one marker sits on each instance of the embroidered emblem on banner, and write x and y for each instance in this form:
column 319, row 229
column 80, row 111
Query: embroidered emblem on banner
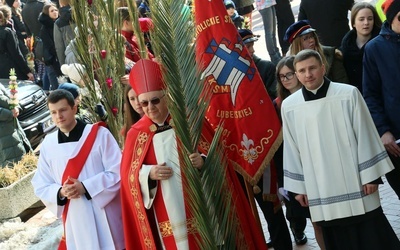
column 228, row 67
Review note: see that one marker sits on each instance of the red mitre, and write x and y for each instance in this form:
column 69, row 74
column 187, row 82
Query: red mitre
column 146, row 76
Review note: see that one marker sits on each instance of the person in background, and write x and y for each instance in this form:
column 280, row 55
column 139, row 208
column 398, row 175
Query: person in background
column 131, row 45
column 78, row 177
column 284, row 18
column 333, row 159
column 245, row 9
column 302, row 36
column 366, row 25
column 18, row 24
column 287, row 84
column 267, row 12
column 381, row 81
column 273, row 213
column 265, row 68
column 30, row 14
column 237, row 19
column 132, row 109
column 13, row 141
column 10, row 54
column 328, row 17
column 52, row 69
column 63, row 30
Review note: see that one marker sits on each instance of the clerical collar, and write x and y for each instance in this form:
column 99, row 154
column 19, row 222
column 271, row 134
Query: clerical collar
column 320, row 92
column 74, row 135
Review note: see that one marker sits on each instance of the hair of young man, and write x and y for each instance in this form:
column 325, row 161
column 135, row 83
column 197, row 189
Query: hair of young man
column 306, row 54
column 280, row 89
column 60, row 94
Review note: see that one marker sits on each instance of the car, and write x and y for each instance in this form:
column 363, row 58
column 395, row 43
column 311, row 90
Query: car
column 34, row 115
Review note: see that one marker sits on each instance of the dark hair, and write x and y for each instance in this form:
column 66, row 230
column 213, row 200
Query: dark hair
column 46, row 8
column 280, row 89
column 130, row 115
column 59, row 94
column 306, row 54
column 123, row 14
column 363, row 5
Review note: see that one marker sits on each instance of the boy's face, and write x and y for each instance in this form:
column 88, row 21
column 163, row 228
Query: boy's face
column 230, row 11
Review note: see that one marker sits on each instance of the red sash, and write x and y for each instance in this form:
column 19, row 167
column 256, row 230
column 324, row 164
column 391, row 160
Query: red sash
column 74, row 168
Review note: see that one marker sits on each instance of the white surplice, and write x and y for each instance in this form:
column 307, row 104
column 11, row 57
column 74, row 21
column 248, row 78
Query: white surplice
column 332, row 149
column 165, row 149
column 91, row 224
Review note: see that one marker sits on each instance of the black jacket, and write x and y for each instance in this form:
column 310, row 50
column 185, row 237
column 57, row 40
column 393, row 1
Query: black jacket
column 353, row 57
column 46, row 34
column 30, row 14
column 10, row 55
column 267, row 73
column 20, row 30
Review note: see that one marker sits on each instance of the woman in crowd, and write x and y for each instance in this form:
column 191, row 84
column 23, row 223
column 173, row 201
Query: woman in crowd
column 52, row 69
column 10, row 54
column 302, row 36
column 13, row 141
column 18, row 24
column 132, row 108
column 287, row 84
column 366, row 25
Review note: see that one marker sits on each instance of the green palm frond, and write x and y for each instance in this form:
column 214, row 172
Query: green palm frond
column 209, row 197
column 100, row 48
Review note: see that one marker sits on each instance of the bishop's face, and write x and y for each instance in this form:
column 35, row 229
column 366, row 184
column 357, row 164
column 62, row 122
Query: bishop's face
column 154, row 105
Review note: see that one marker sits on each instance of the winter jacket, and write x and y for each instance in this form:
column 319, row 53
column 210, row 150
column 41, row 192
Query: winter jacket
column 30, row 13
column 381, row 80
column 353, row 56
column 242, row 3
column 10, row 55
column 20, row 30
column 267, row 73
column 335, row 72
column 13, row 141
column 328, row 17
column 46, row 34
column 63, row 32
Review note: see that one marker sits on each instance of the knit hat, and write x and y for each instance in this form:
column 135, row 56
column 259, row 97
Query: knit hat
column 146, row 76
column 10, row 2
column 248, row 36
column 229, row 4
column 73, row 71
column 391, row 8
column 297, row 29
column 72, row 88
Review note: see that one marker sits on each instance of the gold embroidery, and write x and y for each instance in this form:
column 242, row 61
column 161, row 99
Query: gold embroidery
column 191, row 226
column 165, row 228
column 135, row 190
column 153, row 128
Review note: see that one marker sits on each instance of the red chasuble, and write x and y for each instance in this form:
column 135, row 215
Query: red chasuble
column 140, row 229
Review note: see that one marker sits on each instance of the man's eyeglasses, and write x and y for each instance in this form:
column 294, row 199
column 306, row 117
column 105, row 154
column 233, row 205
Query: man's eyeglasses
column 287, row 76
column 153, row 101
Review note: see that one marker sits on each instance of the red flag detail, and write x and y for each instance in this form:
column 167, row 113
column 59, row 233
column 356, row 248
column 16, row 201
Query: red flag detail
column 252, row 130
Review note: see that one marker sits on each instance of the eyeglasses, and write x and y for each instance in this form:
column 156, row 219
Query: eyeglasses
column 153, row 101
column 287, row 76
column 398, row 18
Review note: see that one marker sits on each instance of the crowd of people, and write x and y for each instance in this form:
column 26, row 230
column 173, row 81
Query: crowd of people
column 336, row 90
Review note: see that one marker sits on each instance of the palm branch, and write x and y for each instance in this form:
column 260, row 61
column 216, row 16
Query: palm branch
column 209, row 198
column 100, row 48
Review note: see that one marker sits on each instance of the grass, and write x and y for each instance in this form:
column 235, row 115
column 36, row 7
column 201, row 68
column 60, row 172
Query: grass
column 13, row 173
